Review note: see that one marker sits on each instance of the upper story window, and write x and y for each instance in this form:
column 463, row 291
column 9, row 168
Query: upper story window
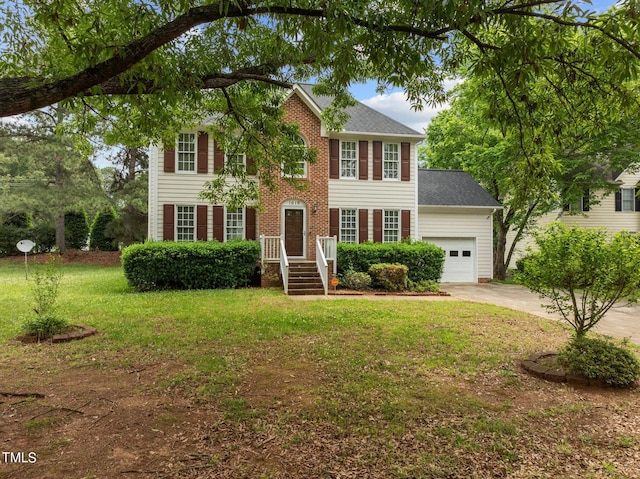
column 298, row 169
column 580, row 205
column 185, row 223
column 186, row 152
column 234, row 224
column 348, row 226
column 348, row 162
column 391, row 226
column 236, row 161
column 391, row 161
column 628, row 199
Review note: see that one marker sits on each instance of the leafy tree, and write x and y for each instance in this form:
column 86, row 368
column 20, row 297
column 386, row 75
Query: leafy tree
column 583, row 271
column 42, row 172
column 76, row 228
column 530, row 174
column 126, row 183
column 99, row 236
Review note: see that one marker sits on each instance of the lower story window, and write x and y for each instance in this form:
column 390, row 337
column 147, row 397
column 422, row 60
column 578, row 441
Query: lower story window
column 235, row 224
column 348, row 226
column 185, row 224
column 391, row 230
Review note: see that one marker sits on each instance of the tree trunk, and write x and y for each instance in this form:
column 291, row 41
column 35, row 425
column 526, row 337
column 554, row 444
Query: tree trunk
column 60, row 242
column 499, row 266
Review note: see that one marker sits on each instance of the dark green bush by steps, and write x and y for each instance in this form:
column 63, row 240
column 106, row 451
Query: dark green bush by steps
column 424, row 260
column 199, row 265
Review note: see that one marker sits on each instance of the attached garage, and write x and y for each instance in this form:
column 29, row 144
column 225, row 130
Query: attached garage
column 461, row 261
column 456, row 213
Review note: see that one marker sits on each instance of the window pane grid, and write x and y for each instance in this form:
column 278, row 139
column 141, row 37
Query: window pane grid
column 628, row 199
column 185, row 223
column 235, row 224
column 348, row 159
column 186, row 152
column 235, row 161
column 391, row 231
column 391, row 161
column 348, row 226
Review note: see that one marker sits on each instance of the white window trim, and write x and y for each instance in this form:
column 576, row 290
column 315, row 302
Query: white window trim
column 357, row 226
column 384, row 229
column 398, row 162
column 244, row 160
column 195, row 223
column 195, row 154
column 244, row 225
column 633, row 200
column 355, row 175
column 305, row 168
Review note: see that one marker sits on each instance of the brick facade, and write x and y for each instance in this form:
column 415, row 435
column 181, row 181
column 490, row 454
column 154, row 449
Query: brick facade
column 315, row 196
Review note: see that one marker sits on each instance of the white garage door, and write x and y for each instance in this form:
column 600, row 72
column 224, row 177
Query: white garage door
column 460, row 259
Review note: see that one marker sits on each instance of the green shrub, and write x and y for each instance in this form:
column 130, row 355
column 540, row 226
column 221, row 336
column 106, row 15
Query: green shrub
column 424, row 286
column 390, row 277
column 424, row 260
column 601, row 360
column 197, row 265
column 98, row 237
column 43, row 235
column 357, row 281
column 46, row 284
column 76, row 229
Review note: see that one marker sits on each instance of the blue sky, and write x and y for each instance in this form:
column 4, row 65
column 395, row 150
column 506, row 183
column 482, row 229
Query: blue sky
column 394, row 104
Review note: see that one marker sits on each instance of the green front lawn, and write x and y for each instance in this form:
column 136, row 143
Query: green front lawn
column 387, row 388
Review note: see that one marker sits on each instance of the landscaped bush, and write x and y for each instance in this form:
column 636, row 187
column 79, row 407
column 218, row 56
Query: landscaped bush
column 424, row 286
column 390, row 277
column 357, row 281
column 424, row 260
column 199, row 265
column 98, row 237
column 43, row 235
column 76, row 229
column 601, row 360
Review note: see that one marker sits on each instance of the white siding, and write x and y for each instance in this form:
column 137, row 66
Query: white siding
column 602, row 215
column 376, row 194
column 453, row 222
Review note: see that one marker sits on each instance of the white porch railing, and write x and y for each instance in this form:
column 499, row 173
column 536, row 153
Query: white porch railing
column 329, row 246
column 322, row 265
column 284, row 267
column 270, row 246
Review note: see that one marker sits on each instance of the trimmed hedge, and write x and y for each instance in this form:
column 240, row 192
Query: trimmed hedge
column 99, row 238
column 424, row 260
column 199, row 265
column 76, row 228
column 390, row 277
column 43, row 235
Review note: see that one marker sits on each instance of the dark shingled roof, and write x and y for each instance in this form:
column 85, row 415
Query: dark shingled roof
column 363, row 119
column 451, row 188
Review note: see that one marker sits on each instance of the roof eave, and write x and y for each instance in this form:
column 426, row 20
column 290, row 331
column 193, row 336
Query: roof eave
column 484, row 207
column 369, row 133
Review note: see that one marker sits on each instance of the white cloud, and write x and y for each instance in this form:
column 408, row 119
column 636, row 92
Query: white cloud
column 396, row 106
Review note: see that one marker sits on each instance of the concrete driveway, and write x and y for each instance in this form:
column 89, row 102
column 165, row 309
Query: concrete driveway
column 620, row 322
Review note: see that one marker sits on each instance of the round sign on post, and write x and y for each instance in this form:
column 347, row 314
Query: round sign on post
column 25, row 246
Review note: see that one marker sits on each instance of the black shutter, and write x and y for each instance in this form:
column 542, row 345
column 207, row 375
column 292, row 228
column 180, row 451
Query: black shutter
column 585, row 200
column 618, row 200
column 637, row 200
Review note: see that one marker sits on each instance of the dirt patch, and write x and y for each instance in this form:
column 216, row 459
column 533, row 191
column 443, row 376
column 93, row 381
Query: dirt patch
column 99, row 258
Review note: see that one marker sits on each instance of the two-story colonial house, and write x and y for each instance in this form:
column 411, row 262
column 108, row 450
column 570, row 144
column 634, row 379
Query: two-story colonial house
column 363, row 187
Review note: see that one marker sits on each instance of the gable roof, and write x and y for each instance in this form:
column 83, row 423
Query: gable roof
column 452, row 188
column 362, row 119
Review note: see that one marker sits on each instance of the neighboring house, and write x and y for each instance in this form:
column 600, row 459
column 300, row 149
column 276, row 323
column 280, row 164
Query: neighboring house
column 616, row 211
column 363, row 187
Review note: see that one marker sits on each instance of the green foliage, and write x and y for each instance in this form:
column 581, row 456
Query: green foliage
column 423, row 260
column 46, row 285
column 584, row 272
column 390, row 277
column 357, row 281
column 43, row 235
column 76, row 228
column 199, row 265
column 601, row 360
column 424, row 286
column 100, row 237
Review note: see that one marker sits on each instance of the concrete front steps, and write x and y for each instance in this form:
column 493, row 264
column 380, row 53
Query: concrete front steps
column 304, row 278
